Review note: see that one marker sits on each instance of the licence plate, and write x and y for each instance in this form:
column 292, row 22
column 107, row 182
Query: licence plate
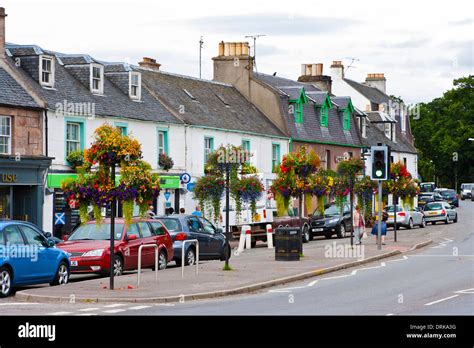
column 73, row 263
column 433, row 213
column 318, row 229
column 450, row 201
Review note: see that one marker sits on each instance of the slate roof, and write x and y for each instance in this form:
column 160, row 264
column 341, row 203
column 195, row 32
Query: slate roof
column 380, row 117
column 376, row 135
column 342, row 102
column 215, row 105
column 72, row 85
column 310, row 129
column 12, row 94
column 371, row 93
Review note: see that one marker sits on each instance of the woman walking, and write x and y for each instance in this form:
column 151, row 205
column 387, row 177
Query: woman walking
column 375, row 229
column 359, row 225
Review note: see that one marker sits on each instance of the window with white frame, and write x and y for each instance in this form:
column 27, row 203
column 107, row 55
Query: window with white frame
column 388, row 130
column 162, row 135
column 73, row 137
column 363, row 126
column 208, row 147
column 46, row 72
column 5, row 135
column 97, row 78
column 394, row 133
column 135, row 85
column 403, row 123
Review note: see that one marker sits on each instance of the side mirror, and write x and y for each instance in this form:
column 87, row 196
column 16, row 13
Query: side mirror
column 131, row 237
column 47, row 234
column 219, row 230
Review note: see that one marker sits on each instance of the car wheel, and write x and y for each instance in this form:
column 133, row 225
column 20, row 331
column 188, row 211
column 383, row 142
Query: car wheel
column 118, row 265
column 341, row 231
column 423, row 223
column 455, row 218
column 447, row 221
column 433, row 223
column 410, row 224
column 62, row 275
column 162, row 260
column 5, row 282
column 190, row 257
column 306, row 234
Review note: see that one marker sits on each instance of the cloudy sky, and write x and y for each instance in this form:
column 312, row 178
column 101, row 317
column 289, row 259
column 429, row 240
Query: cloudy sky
column 420, row 46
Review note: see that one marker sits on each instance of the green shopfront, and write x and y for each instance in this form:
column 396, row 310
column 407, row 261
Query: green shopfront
column 22, row 184
column 66, row 219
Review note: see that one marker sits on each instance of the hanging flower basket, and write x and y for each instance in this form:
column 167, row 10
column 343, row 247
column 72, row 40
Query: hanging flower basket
column 165, row 162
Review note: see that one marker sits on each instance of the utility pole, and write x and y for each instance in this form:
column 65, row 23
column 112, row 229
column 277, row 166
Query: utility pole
column 255, row 37
column 201, row 45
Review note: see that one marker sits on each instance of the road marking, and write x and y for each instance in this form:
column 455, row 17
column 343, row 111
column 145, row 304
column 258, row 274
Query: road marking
column 389, row 314
column 466, row 291
column 336, row 277
column 59, row 313
column 113, row 311
column 442, row 255
column 165, row 304
column 443, row 299
column 136, row 308
column 312, row 283
column 287, row 289
column 363, row 269
column 18, row 304
column 115, row 305
column 88, row 309
column 86, row 314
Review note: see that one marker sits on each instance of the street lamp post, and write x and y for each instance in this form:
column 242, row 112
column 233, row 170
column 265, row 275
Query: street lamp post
column 227, row 204
column 112, row 231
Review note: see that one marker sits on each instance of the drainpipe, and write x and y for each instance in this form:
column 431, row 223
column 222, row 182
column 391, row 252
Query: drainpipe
column 46, row 131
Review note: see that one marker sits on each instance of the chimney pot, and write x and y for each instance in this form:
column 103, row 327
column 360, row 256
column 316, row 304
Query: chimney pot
column 245, row 49
column 319, row 69
column 238, row 49
column 221, row 48
column 232, row 48
column 150, row 64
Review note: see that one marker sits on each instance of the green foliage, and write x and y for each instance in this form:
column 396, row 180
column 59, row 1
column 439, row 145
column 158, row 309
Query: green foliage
column 443, row 128
column 76, row 158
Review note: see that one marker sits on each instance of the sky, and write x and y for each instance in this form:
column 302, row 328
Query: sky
column 420, row 46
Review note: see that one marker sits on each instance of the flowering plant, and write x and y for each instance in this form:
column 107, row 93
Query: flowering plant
column 165, row 161
column 249, row 189
column 209, row 189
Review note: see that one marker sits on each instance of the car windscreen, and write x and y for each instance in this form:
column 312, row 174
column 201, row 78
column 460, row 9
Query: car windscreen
column 423, row 196
column 172, row 225
column 331, row 210
column 433, row 206
column 426, row 187
column 389, row 209
column 467, row 187
column 448, row 193
column 96, row 232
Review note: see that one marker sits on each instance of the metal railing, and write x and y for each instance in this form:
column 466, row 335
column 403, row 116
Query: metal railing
column 182, row 255
column 140, row 261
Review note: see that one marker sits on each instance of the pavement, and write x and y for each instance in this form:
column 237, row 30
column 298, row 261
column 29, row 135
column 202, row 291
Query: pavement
column 252, row 270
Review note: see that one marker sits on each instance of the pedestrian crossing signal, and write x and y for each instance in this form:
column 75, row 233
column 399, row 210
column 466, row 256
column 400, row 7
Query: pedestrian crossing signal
column 380, row 163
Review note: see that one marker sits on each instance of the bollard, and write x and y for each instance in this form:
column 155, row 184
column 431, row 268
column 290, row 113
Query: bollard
column 269, row 236
column 242, row 239
column 248, row 238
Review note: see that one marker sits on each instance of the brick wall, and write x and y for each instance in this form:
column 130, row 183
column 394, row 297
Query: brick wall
column 27, row 130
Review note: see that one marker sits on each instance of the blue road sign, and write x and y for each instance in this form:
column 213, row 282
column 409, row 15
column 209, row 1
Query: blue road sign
column 185, row 178
column 59, row 218
column 191, row 186
column 167, row 195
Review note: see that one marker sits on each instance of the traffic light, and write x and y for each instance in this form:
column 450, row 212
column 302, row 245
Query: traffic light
column 380, row 163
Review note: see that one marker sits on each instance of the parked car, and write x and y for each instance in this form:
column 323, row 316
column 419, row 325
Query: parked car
column 428, row 197
column 212, row 241
column 406, row 217
column 293, row 220
column 427, row 187
column 466, row 190
column 450, row 196
column 440, row 212
column 27, row 257
column 89, row 246
column 472, row 194
column 333, row 221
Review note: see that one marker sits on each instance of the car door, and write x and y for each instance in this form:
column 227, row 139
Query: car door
column 215, row 243
column 346, row 211
column 450, row 211
column 161, row 237
column 132, row 246
column 44, row 258
column 197, row 231
column 17, row 256
column 148, row 238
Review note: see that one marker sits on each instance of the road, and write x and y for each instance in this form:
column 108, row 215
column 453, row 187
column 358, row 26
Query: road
column 436, row 280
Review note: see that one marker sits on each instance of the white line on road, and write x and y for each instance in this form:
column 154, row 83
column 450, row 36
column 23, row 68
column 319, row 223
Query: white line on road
column 466, row 291
column 363, row 269
column 442, row 255
column 402, row 259
column 287, row 289
column 59, row 313
column 136, row 308
column 312, row 283
column 389, row 314
column 86, row 314
column 165, row 304
column 18, row 304
column 115, row 305
column 336, row 277
column 113, row 311
column 88, row 309
column 443, row 299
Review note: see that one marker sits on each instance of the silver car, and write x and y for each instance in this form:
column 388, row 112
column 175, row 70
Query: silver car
column 440, row 212
column 406, row 217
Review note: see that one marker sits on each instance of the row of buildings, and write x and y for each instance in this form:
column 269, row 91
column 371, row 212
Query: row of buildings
column 51, row 103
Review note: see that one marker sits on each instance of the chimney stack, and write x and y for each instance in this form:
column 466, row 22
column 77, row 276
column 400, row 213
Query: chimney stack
column 2, row 32
column 337, row 70
column 149, row 64
column 313, row 73
column 377, row 81
column 233, row 49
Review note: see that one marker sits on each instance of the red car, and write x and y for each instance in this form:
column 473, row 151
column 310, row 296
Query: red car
column 89, row 246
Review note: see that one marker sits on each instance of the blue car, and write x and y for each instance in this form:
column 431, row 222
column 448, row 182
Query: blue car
column 27, row 257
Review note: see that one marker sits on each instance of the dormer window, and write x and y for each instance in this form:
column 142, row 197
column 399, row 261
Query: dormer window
column 363, row 126
column 46, row 71
column 97, row 78
column 388, row 130
column 135, row 85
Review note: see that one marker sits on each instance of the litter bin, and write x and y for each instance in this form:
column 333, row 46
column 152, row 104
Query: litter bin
column 288, row 244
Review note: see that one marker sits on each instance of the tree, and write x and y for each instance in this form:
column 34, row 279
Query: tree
column 441, row 135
